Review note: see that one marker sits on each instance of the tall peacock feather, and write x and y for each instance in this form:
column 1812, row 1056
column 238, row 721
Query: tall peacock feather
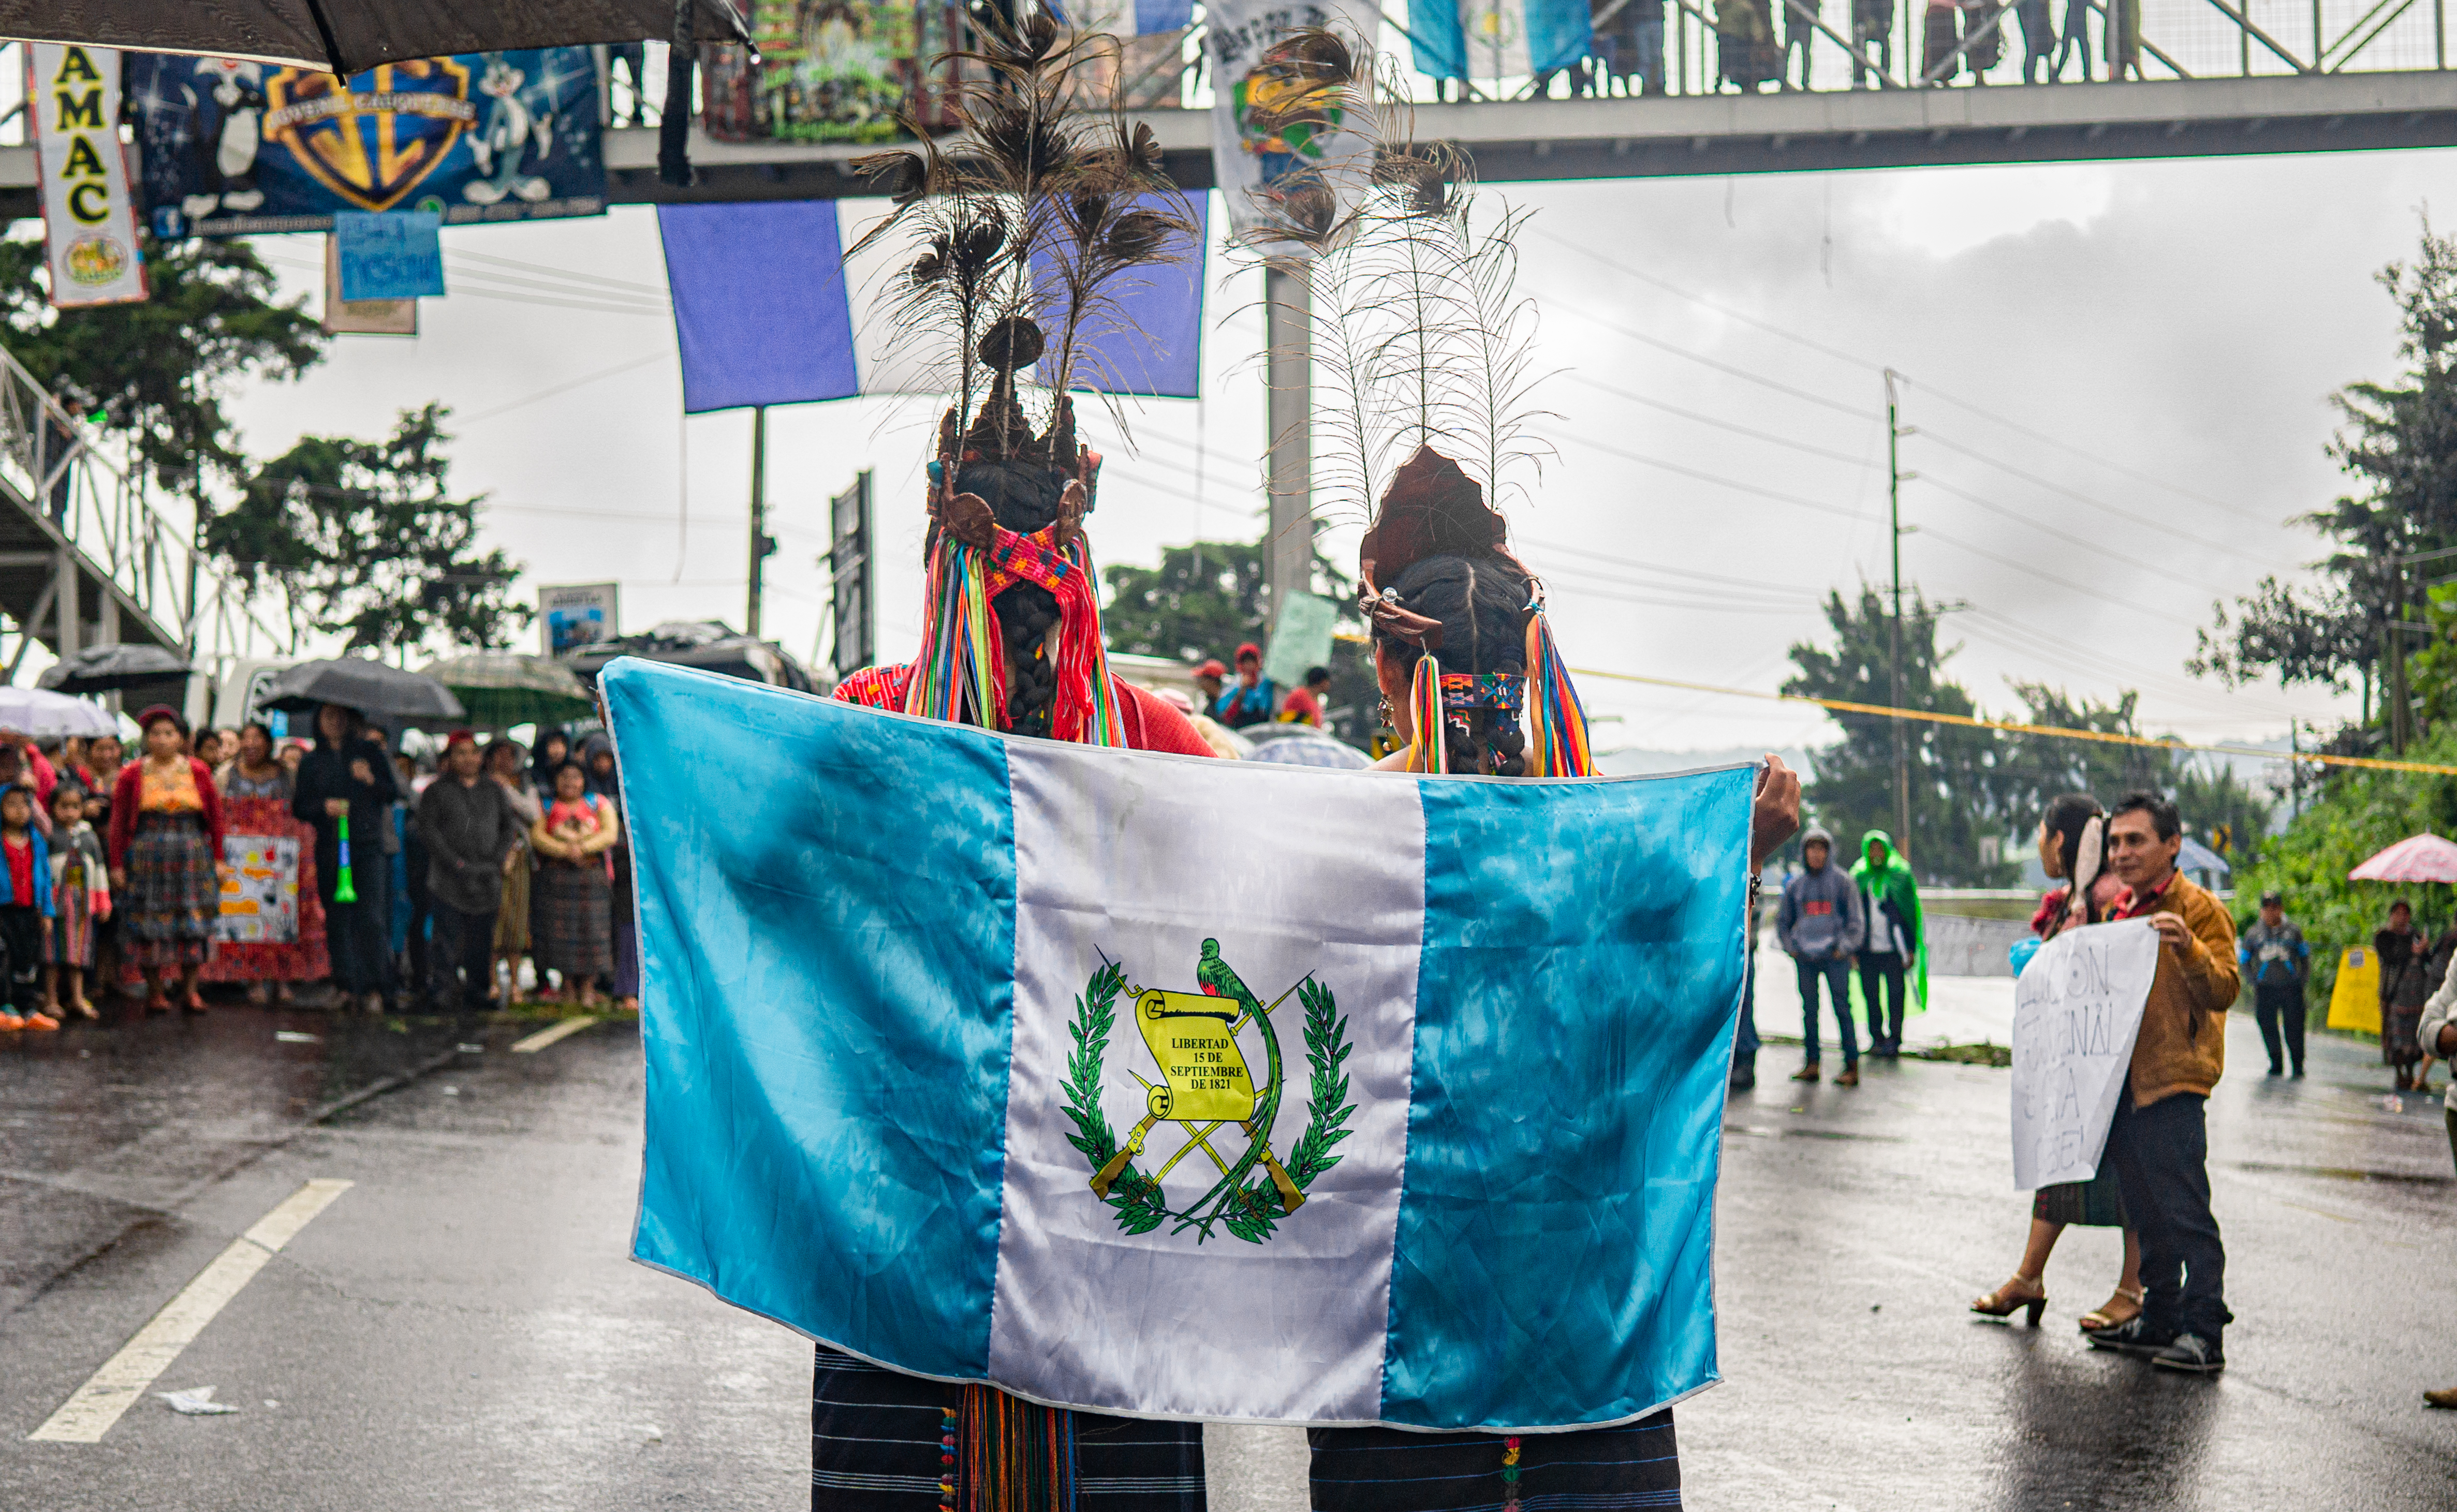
column 1028, row 225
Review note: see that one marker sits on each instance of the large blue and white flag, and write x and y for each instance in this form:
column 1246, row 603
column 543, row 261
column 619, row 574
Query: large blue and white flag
column 1497, row 39
column 1183, row 1088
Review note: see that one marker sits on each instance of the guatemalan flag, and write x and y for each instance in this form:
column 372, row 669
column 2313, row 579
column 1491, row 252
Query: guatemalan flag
column 1497, row 39
column 1180, row 1087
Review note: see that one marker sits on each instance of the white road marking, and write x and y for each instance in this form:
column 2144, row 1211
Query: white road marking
column 89, row 1412
column 547, row 1036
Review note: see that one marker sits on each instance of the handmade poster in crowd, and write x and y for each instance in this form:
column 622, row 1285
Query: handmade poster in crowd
column 2076, row 1012
column 1279, row 128
column 261, row 895
column 232, row 147
column 985, row 1057
column 833, row 71
column 89, row 221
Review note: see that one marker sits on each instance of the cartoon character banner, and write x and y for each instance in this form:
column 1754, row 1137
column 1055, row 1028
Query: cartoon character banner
column 232, row 147
column 261, row 895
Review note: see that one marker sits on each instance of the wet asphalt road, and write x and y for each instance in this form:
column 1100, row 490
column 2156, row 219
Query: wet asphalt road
column 460, row 1329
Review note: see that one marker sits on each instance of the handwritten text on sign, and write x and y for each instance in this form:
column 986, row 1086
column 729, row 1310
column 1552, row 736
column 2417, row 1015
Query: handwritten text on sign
column 2076, row 1009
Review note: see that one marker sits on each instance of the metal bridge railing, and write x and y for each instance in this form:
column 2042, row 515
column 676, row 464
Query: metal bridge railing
column 84, row 495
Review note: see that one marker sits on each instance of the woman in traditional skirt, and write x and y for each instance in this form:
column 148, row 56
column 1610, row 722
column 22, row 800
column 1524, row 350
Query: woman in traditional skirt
column 2072, row 846
column 257, row 791
column 509, row 767
column 2405, row 983
column 576, row 885
column 597, row 754
column 166, row 847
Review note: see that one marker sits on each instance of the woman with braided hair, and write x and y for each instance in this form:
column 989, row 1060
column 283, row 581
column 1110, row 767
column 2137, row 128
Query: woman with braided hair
column 1472, row 681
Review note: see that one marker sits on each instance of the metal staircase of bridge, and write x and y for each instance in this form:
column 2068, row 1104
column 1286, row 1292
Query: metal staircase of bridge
column 86, row 559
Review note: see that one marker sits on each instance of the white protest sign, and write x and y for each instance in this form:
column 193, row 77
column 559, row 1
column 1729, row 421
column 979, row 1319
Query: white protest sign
column 2076, row 1009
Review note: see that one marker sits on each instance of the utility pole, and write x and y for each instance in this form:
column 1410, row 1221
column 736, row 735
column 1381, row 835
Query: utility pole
column 2401, row 711
column 762, row 544
column 1896, row 477
column 1287, row 343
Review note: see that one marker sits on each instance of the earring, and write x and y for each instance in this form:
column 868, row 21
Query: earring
column 1390, row 717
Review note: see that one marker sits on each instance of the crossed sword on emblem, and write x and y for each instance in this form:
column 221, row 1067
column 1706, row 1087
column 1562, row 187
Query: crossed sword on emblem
column 1290, row 1198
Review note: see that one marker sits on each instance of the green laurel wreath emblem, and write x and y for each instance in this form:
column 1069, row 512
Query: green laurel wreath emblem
column 1248, row 1210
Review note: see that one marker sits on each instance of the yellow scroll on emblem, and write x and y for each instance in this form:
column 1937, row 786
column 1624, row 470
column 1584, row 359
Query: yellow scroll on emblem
column 1203, row 1072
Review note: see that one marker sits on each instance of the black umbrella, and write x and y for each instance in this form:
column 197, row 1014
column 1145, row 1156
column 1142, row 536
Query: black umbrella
column 368, row 687
column 346, row 39
column 109, row 668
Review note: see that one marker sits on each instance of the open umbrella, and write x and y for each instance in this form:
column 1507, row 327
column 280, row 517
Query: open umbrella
column 503, row 688
column 369, row 686
column 2418, row 858
column 40, row 712
column 329, row 36
column 109, row 668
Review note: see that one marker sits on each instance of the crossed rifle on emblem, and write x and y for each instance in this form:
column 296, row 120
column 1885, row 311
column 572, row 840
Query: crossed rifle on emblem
column 1204, row 1079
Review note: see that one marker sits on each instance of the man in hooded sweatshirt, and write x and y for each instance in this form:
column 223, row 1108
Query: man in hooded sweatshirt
column 1821, row 926
column 1889, row 903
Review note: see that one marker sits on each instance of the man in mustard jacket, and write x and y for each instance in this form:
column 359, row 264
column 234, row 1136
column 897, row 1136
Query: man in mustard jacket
column 2159, row 1143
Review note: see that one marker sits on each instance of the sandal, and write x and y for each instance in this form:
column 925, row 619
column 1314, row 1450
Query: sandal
column 195, row 1003
column 2014, row 1296
column 83, row 1008
column 156, row 1003
column 2115, row 1312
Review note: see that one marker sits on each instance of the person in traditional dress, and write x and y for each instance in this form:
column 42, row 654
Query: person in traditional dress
column 166, row 866
column 2072, row 847
column 597, row 754
column 575, row 885
column 255, row 806
column 507, row 767
column 1007, row 496
column 80, row 896
column 1460, row 645
column 2405, row 985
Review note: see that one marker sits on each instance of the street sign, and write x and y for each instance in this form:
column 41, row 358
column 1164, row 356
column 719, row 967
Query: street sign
column 849, row 576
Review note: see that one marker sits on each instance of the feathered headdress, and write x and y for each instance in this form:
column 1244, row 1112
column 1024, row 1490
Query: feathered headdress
column 1423, row 367
column 1027, row 226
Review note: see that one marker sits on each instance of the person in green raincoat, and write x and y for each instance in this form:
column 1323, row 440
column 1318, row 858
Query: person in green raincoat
column 1897, row 946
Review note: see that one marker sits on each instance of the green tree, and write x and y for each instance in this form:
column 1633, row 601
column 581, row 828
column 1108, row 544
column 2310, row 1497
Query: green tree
column 2034, row 770
column 1207, row 599
column 1954, row 769
column 2217, row 805
column 2399, row 445
column 160, row 371
column 368, row 540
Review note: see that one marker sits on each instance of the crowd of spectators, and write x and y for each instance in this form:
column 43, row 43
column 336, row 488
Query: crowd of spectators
column 340, row 870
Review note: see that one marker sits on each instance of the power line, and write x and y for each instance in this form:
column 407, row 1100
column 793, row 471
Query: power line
column 1708, row 420
column 2031, row 569
column 2135, row 518
column 2098, row 553
column 656, row 290
column 1720, row 366
column 2087, row 455
column 1725, row 311
column 1716, row 478
column 560, row 388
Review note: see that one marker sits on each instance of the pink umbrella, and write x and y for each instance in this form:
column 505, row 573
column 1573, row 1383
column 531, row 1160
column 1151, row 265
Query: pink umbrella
column 2419, row 858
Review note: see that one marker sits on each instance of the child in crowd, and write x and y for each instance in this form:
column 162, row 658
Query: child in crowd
column 80, row 899
column 25, row 902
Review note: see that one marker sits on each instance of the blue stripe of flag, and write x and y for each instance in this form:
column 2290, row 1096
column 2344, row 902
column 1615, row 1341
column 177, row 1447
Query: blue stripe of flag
column 1575, row 1006
column 827, row 946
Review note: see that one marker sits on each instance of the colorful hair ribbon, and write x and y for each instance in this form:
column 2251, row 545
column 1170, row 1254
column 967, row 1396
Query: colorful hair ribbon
column 1556, row 722
column 1425, row 716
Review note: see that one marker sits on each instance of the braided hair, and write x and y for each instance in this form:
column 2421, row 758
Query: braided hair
column 1482, row 602
column 1024, row 498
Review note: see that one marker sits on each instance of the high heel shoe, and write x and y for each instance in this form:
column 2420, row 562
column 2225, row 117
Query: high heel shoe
column 2114, row 1313
column 2010, row 1298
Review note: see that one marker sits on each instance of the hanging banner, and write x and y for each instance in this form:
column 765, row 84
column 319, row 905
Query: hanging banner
column 232, row 146
column 89, row 222
column 2354, row 1003
column 833, row 71
column 577, row 614
column 1276, row 128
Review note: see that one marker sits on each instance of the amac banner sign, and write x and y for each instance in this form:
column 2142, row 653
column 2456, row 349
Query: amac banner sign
column 89, row 225
column 232, row 147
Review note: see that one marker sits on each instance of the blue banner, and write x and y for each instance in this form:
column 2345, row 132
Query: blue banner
column 233, row 147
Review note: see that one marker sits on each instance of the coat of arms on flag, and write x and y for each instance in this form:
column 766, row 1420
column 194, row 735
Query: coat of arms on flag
column 997, row 1059
column 1206, row 1087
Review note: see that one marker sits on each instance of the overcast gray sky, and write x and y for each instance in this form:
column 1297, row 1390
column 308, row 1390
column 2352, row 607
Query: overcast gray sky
column 2175, row 328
